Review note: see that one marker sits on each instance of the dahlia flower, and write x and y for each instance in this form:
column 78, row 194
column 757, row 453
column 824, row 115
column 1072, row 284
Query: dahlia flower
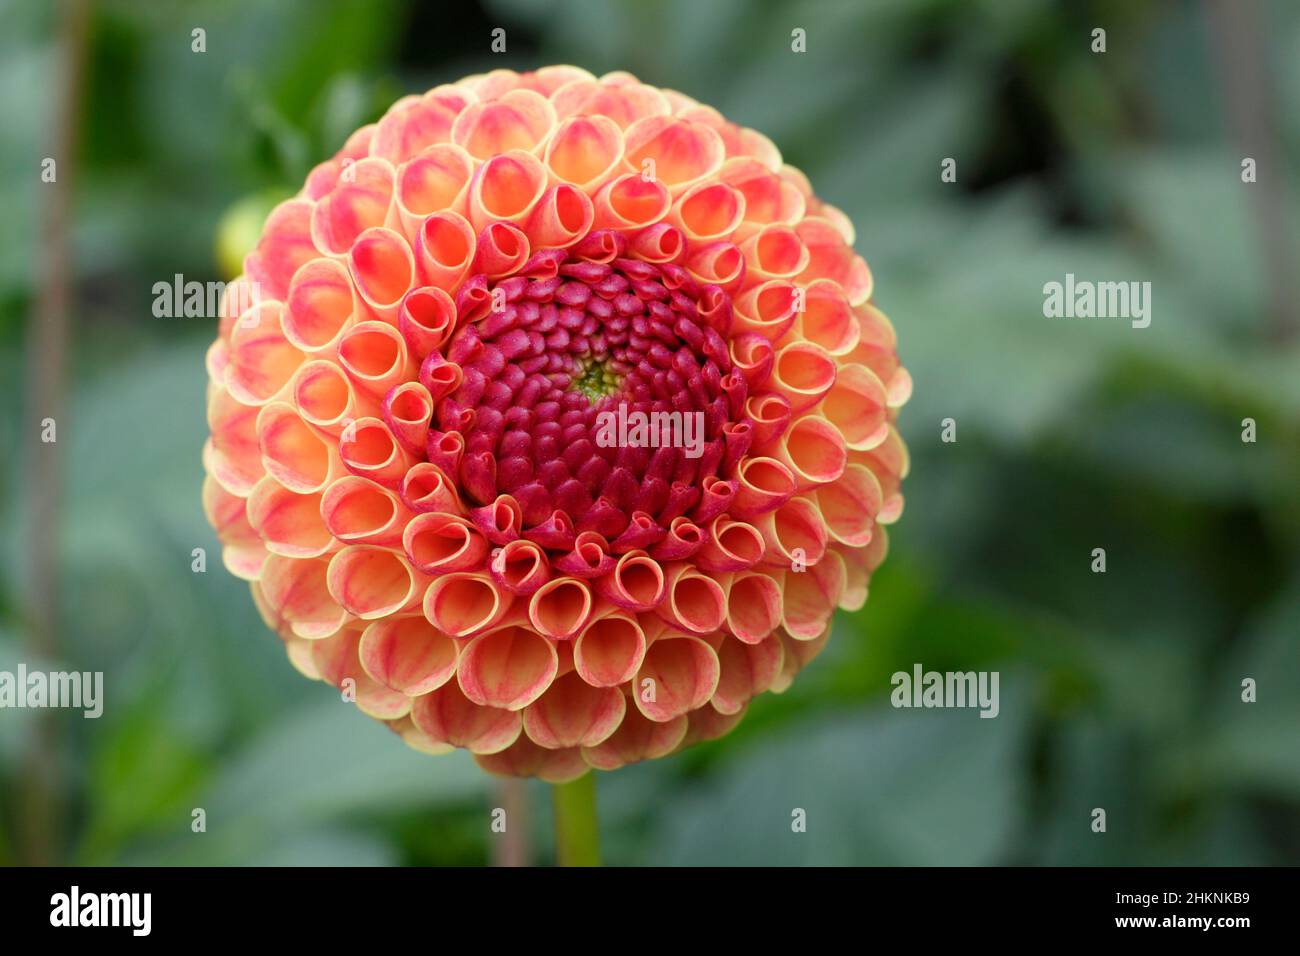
column 404, row 461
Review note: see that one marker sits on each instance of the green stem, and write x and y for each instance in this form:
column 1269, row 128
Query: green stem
column 577, row 832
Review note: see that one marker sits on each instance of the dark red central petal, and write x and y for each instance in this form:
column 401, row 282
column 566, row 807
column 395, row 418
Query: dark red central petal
column 546, row 351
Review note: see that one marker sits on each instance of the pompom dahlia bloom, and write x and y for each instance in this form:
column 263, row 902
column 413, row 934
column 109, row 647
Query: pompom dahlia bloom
column 405, row 459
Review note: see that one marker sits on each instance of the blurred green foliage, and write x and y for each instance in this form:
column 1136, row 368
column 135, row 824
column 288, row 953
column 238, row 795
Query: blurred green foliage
column 1121, row 690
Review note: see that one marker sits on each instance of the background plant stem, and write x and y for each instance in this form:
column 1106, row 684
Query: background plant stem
column 577, row 831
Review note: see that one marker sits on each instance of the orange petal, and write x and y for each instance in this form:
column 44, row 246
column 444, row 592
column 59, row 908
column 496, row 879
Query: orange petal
column 289, row 523
column 408, row 655
column 585, row 151
column 232, row 456
column 731, row 546
column 506, row 188
column 242, row 551
column 764, row 484
column 464, row 605
column 438, row 543
column 524, row 758
column 444, row 249
column 284, row 246
column 296, row 592
column 507, row 668
column 374, row 582
column 356, row 510
column 803, row 373
column 850, row 505
column 814, row 451
column 359, row 200
column 811, row 597
column 636, row 583
column 374, row 356
column 610, row 650
column 795, row 530
column 768, row 309
column 292, row 452
column 321, row 305
column 383, row 268
column 683, row 152
column 693, row 602
column 678, row 675
column 561, row 607
column 753, row 606
column 856, row 405
column 745, row 671
column 636, row 739
column 708, row 212
column 829, row 257
column 573, row 713
column 562, row 217
column 631, row 202
column 447, row 716
column 520, row 120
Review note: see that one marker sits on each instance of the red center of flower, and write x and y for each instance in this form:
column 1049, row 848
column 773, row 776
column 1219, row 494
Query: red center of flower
column 596, row 393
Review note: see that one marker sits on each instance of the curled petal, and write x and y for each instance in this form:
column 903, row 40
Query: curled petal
column 754, row 606
column 763, row 485
column 435, row 180
column 373, row 582
column 708, row 212
column 438, row 543
column 814, row 451
column 445, row 246
column 635, row 583
column 293, row 452
column 296, row 592
column 682, row 152
column 731, row 546
column 326, row 399
column 383, row 269
column 678, row 675
column 290, row 524
column 561, row 607
column 631, row 202
column 367, row 448
column 520, row 567
column 408, row 655
column 745, row 671
column 829, row 257
column 693, row 602
column 242, row 550
column 563, row 216
column 465, row 605
column 519, row 121
column 322, row 304
column 573, row 713
column 856, row 405
column 769, row 309
column 795, row 534
column 447, row 716
column 850, row 505
column 284, row 246
column 359, row 200
column 811, row 596
column 803, row 373
column 610, row 649
column 358, row 511
column 426, row 318
column 506, row 188
column 508, row 668
column 425, row 487
column 374, row 356
column 585, row 151
column 524, row 758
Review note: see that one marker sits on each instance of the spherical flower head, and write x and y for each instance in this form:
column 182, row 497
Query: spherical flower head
column 552, row 420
